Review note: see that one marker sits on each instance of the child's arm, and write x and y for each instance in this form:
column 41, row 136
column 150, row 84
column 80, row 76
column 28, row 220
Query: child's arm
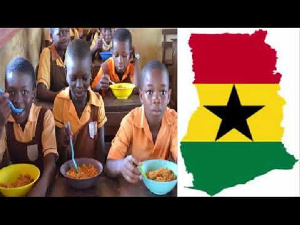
column 45, row 94
column 97, row 47
column 4, row 110
column 101, row 151
column 43, row 78
column 118, row 162
column 137, row 70
column 40, row 189
column 174, row 138
column 103, row 82
column 63, row 142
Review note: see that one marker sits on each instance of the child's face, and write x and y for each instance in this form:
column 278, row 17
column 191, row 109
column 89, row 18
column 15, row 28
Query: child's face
column 21, row 94
column 121, row 55
column 155, row 93
column 107, row 34
column 61, row 38
column 78, row 77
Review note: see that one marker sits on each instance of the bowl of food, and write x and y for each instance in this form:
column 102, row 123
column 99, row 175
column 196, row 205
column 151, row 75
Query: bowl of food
column 122, row 90
column 88, row 172
column 159, row 176
column 105, row 55
column 18, row 179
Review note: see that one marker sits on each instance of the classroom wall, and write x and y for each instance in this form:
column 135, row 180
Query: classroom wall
column 147, row 41
column 26, row 43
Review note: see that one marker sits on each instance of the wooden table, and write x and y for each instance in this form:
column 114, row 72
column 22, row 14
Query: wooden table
column 105, row 187
column 116, row 109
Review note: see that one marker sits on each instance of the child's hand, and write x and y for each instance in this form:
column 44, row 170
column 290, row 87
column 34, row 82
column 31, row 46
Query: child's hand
column 104, row 82
column 130, row 170
column 98, row 44
column 65, row 137
column 4, row 109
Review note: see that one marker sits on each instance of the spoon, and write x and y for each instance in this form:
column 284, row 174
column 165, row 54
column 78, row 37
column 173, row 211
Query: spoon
column 72, row 148
column 142, row 171
column 13, row 108
column 111, row 82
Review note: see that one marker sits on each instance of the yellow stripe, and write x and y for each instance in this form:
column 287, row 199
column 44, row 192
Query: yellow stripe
column 265, row 125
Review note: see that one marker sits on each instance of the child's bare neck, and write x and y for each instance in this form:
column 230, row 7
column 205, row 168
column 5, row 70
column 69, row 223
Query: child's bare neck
column 154, row 123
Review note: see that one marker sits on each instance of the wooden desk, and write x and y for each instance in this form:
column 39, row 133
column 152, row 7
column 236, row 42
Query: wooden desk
column 105, row 187
column 116, row 109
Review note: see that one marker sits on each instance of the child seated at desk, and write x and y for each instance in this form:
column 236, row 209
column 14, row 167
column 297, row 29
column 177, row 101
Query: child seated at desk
column 146, row 132
column 80, row 106
column 30, row 136
column 51, row 73
column 102, row 41
column 119, row 67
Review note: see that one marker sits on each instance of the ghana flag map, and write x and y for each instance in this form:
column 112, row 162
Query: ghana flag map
column 235, row 135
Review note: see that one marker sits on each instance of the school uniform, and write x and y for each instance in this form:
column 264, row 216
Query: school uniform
column 52, row 70
column 127, row 77
column 135, row 138
column 105, row 46
column 84, row 128
column 35, row 142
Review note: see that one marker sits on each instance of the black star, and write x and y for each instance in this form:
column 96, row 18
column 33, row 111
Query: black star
column 234, row 115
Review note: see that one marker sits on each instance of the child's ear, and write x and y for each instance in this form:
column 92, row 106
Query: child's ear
column 169, row 95
column 34, row 94
column 141, row 96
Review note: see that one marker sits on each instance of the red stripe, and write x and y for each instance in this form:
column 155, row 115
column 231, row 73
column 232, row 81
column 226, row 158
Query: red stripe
column 233, row 58
column 6, row 34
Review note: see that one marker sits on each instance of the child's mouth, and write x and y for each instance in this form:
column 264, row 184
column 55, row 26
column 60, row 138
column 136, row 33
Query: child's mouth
column 19, row 117
column 79, row 94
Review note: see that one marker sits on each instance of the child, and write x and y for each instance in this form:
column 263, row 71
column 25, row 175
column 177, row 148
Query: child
column 51, row 72
column 74, row 33
column 119, row 68
column 48, row 40
column 102, row 42
column 30, row 136
column 80, row 106
column 147, row 132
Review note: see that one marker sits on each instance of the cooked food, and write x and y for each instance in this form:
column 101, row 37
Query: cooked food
column 163, row 175
column 22, row 180
column 84, row 171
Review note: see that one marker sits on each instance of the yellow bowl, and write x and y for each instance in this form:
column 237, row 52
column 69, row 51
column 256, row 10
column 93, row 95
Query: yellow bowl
column 122, row 90
column 11, row 173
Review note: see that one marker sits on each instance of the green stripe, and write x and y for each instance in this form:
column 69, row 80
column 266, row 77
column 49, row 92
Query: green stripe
column 219, row 165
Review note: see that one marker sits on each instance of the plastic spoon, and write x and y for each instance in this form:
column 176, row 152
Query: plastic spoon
column 72, row 148
column 13, row 108
column 142, row 171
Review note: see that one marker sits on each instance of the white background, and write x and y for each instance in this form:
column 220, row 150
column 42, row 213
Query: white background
column 276, row 182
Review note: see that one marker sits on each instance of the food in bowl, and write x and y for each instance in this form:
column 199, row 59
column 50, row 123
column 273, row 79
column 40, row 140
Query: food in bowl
column 22, row 180
column 84, row 171
column 158, row 187
column 93, row 174
column 10, row 174
column 161, row 175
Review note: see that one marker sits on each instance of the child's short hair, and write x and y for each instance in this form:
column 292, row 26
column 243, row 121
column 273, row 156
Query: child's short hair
column 79, row 49
column 153, row 64
column 21, row 64
column 123, row 34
